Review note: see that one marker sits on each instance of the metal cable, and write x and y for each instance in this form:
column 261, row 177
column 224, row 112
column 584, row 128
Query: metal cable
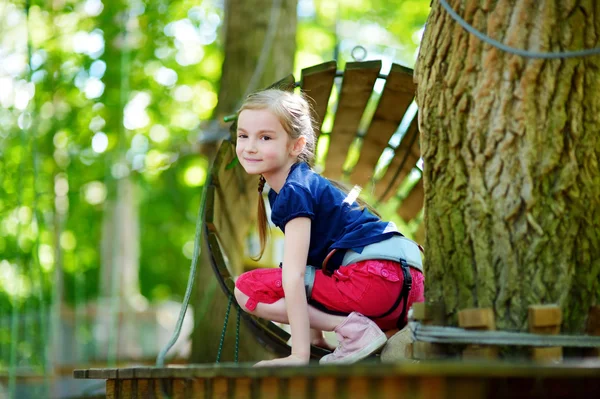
column 454, row 335
column 523, row 53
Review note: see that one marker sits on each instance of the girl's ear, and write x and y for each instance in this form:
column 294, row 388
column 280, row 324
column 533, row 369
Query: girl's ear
column 298, row 146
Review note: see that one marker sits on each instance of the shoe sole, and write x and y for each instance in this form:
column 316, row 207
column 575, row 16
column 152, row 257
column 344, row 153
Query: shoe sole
column 361, row 354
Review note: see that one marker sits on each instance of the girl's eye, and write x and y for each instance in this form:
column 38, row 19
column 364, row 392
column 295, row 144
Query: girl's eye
column 241, row 136
column 266, row 138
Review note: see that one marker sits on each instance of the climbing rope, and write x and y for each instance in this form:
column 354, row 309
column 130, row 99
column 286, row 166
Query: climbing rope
column 237, row 331
column 160, row 360
column 454, row 335
column 524, row 53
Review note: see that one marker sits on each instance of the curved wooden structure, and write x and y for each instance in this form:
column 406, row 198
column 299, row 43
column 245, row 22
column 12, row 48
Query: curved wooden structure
column 232, row 193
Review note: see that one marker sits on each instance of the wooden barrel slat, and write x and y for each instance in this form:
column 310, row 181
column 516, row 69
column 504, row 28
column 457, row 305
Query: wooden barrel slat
column 269, row 388
column 406, row 156
column 317, row 82
column 412, row 204
column 398, row 93
column 357, row 87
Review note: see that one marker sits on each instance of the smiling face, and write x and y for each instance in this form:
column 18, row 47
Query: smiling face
column 264, row 147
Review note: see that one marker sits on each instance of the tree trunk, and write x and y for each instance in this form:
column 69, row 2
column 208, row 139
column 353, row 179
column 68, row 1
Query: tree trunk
column 247, row 36
column 511, row 148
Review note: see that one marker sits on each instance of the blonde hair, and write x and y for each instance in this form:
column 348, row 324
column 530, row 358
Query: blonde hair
column 294, row 113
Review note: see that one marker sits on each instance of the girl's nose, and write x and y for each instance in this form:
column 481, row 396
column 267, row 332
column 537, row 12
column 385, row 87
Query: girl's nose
column 251, row 147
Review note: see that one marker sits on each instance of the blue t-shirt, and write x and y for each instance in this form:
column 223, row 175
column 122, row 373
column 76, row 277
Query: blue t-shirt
column 335, row 222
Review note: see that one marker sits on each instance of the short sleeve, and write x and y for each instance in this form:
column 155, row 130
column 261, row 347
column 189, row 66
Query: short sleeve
column 292, row 201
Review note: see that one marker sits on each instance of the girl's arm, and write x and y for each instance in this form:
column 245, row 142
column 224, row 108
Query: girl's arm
column 296, row 245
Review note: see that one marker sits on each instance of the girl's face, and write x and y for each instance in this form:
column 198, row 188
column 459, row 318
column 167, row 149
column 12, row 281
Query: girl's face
column 263, row 146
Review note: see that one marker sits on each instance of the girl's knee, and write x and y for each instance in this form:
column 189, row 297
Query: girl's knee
column 241, row 299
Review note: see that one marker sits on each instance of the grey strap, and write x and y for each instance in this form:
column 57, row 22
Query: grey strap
column 394, row 248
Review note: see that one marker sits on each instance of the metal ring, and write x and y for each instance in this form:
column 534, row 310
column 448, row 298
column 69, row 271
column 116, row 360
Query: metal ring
column 359, row 53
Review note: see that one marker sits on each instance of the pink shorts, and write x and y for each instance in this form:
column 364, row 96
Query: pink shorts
column 369, row 287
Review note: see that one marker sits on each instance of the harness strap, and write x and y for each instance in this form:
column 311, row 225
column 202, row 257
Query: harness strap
column 406, row 287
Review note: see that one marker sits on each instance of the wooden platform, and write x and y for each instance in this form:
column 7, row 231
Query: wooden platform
column 439, row 379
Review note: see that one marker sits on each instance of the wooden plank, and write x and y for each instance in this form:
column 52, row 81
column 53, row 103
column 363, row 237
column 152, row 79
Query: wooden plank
column 269, row 388
column 287, row 83
column 162, row 388
column 143, row 388
column 199, row 388
column 243, row 388
column 325, row 387
column 545, row 319
column 593, row 328
column 397, row 95
column 406, row 156
column 477, row 319
column 358, row 388
column 317, row 82
column 111, row 389
column 217, row 254
column 391, row 388
column 357, row 86
column 543, row 316
column 413, row 203
column 220, row 388
column 298, row 388
column 181, row 388
column 126, row 388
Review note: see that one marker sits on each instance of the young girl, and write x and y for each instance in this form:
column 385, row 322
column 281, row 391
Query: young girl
column 358, row 281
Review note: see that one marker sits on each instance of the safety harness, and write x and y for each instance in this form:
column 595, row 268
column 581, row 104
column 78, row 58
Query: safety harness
column 396, row 248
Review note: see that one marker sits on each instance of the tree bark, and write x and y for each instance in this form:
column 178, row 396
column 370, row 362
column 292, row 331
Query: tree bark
column 511, row 148
column 247, row 36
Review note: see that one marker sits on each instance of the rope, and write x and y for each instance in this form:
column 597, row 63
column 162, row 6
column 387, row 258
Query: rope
column 224, row 329
column 160, row 360
column 523, row 53
column 237, row 334
column 237, row 331
column 454, row 335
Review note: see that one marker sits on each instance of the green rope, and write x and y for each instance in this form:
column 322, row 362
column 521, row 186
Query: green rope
column 160, row 360
column 237, row 331
column 224, row 329
column 237, row 334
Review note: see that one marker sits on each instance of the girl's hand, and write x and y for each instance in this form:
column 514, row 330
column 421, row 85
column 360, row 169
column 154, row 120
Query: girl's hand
column 291, row 360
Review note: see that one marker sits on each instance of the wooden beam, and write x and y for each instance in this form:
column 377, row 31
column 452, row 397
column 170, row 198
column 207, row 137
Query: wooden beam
column 593, row 327
column 316, row 83
column 545, row 319
column 413, row 203
column 405, row 158
column 397, row 95
column 478, row 319
column 357, row 87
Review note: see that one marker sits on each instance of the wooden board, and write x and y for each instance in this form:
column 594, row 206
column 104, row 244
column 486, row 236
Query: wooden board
column 413, row 203
column 397, row 95
column 447, row 379
column 357, row 87
column 405, row 158
column 317, row 82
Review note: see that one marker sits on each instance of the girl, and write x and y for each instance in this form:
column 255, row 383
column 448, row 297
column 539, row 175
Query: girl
column 358, row 282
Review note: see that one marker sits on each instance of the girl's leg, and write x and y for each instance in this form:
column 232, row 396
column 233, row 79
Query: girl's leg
column 318, row 339
column 277, row 312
